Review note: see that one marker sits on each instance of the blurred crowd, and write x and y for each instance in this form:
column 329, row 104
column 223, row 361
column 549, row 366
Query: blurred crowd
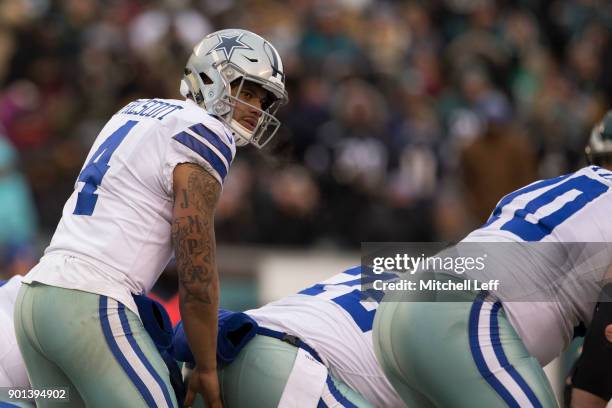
column 407, row 120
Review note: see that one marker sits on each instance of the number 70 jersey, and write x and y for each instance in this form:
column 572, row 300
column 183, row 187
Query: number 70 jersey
column 114, row 237
column 335, row 318
column 568, row 208
column 547, row 289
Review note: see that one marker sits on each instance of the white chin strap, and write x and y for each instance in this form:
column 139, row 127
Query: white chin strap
column 243, row 134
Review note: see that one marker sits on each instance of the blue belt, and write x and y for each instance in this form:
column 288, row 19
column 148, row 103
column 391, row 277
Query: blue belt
column 288, row 338
column 297, row 342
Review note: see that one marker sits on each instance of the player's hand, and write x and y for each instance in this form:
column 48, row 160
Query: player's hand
column 205, row 383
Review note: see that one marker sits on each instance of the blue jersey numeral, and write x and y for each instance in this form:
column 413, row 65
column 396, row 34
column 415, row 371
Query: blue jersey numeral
column 351, row 301
column 96, row 168
column 524, row 222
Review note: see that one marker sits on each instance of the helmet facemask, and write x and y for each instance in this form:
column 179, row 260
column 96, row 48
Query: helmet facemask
column 267, row 124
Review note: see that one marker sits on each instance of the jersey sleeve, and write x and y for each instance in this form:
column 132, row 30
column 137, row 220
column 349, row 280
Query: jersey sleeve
column 206, row 143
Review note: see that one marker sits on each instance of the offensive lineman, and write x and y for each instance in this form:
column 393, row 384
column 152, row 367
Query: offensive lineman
column 485, row 349
column 329, row 321
column 150, row 184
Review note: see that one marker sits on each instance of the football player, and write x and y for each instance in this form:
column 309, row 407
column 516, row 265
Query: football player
column 486, row 348
column 592, row 376
column 313, row 348
column 150, row 184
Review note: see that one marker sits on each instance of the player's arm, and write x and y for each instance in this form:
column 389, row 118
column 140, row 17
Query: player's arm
column 196, row 193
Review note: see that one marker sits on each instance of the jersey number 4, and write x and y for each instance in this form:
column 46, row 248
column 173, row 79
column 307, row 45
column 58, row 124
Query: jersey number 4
column 96, row 168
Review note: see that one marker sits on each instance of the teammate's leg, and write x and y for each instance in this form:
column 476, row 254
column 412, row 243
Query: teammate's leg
column 102, row 347
column 382, row 329
column 502, row 359
column 42, row 372
column 258, row 376
column 457, row 354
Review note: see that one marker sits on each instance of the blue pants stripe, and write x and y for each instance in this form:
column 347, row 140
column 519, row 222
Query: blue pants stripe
column 503, row 359
column 130, row 337
column 121, row 359
column 479, row 357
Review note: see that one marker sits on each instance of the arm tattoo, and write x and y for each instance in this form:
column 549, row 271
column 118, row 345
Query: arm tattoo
column 193, row 235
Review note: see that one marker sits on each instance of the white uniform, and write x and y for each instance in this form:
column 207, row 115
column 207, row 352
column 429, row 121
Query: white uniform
column 572, row 210
column 331, row 318
column 114, row 237
column 12, row 368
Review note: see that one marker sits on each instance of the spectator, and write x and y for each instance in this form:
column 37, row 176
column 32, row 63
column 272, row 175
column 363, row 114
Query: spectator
column 496, row 163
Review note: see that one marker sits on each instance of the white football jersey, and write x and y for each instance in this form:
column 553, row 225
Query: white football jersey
column 12, row 368
column 572, row 210
column 332, row 318
column 114, row 237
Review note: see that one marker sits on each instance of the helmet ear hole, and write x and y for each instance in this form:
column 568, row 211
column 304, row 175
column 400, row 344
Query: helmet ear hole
column 205, row 79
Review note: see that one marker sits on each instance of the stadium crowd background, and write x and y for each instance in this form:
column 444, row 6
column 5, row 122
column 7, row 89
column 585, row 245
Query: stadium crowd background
column 407, row 120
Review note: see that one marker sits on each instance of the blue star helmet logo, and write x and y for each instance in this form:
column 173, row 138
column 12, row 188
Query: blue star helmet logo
column 228, row 44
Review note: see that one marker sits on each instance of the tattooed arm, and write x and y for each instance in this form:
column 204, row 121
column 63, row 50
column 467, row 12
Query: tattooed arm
column 196, row 193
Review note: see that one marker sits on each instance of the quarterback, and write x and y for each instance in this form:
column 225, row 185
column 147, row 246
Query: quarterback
column 487, row 348
column 149, row 185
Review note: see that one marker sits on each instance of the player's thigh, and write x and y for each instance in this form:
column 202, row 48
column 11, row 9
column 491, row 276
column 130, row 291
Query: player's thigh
column 433, row 352
column 42, row 372
column 387, row 326
column 258, row 376
column 104, row 349
column 503, row 361
column 125, row 369
column 45, row 375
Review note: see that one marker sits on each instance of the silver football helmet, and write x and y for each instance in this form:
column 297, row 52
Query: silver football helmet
column 228, row 58
column 599, row 149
